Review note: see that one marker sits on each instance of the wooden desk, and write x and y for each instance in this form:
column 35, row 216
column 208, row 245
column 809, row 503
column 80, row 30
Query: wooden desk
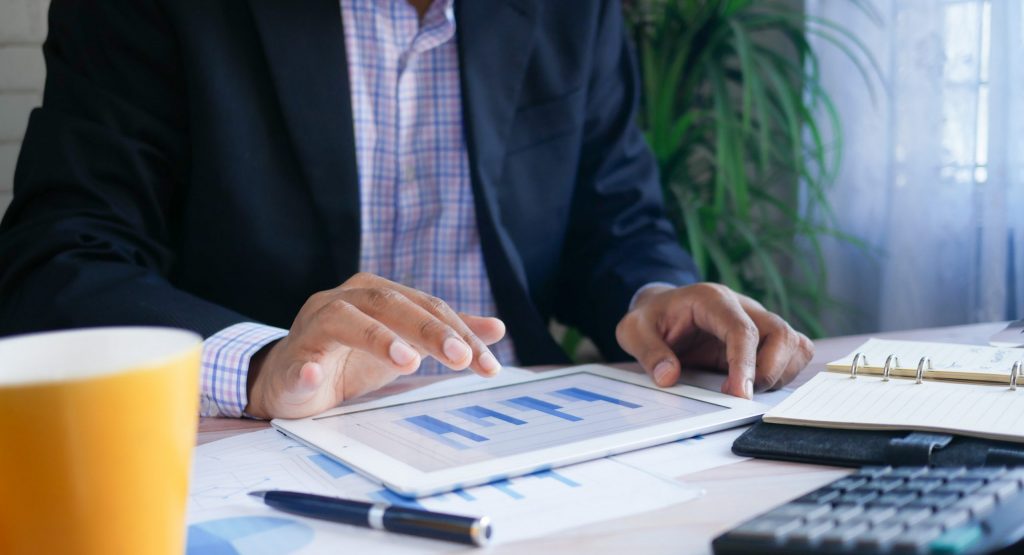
column 733, row 493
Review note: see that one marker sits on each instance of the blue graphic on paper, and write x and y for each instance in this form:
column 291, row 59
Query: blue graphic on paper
column 247, row 535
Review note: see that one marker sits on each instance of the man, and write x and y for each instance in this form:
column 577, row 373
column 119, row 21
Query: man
column 222, row 165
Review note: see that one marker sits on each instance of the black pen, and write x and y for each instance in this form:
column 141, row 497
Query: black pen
column 381, row 516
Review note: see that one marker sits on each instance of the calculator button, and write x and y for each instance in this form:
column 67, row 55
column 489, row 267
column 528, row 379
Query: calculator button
column 873, row 471
column 957, row 540
column 807, row 511
column 879, row 537
column 922, row 485
column 978, row 504
column 842, row 513
column 908, row 471
column 953, row 518
column 984, row 472
column 893, row 500
column 960, row 486
column 856, row 497
column 886, row 484
column 911, row 516
column 848, row 483
column 809, row 533
column 1001, row 488
column 935, row 500
column 843, row 534
column 876, row 515
column 1016, row 474
column 824, row 495
column 915, row 540
column 763, row 528
column 947, row 472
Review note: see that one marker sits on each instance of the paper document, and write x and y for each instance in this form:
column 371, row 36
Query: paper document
column 224, row 519
column 837, row 401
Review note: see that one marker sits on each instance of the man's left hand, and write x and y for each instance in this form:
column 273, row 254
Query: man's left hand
column 709, row 325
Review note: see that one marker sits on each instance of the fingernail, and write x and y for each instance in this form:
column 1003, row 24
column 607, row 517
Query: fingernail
column 748, row 388
column 489, row 363
column 456, row 350
column 401, row 353
column 661, row 371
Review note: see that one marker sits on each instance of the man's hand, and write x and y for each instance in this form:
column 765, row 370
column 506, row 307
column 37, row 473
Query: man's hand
column 358, row 337
column 709, row 325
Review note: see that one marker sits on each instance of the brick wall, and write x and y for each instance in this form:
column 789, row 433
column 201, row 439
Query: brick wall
column 22, row 31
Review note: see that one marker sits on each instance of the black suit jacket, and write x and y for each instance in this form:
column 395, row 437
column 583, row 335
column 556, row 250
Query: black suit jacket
column 193, row 165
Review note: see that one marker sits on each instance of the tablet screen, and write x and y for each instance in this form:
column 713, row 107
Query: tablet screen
column 447, row 432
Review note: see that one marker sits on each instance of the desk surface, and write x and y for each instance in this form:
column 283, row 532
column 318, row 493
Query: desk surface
column 733, row 493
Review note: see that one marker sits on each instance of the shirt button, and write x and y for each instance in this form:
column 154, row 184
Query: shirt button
column 408, row 172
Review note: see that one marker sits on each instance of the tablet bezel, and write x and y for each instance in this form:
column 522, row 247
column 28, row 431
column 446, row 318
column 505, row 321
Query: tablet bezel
column 412, row 482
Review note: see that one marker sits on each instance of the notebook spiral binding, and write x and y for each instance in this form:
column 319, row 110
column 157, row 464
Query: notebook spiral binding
column 892, row 361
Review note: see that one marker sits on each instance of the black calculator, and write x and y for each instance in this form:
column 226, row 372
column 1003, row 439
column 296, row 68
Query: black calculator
column 903, row 509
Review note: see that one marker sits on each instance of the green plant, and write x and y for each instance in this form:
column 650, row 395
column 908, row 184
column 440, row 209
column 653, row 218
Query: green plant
column 747, row 141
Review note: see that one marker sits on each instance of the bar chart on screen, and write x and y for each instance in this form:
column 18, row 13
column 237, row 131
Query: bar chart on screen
column 462, row 429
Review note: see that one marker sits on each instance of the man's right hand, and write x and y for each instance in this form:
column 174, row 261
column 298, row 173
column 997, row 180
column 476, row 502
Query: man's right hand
column 358, row 337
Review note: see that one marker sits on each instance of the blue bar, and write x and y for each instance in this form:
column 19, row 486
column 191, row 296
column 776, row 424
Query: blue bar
column 464, row 494
column 478, row 421
column 504, row 487
column 556, row 476
column 330, row 466
column 685, row 439
column 481, row 413
column 543, row 406
column 584, row 395
column 393, row 498
column 440, row 427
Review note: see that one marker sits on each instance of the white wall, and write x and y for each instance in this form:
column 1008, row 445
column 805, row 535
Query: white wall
column 22, row 31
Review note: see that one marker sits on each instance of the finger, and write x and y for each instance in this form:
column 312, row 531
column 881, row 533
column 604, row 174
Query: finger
column 294, row 393
column 772, row 360
column 779, row 344
column 341, row 323
column 413, row 323
column 482, row 360
column 798, row 362
column 783, row 352
column 723, row 317
column 639, row 336
column 489, row 330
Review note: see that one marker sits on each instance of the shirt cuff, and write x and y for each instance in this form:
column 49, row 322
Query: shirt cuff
column 632, row 302
column 225, row 367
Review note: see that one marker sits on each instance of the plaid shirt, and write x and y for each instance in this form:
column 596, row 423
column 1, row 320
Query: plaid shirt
column 418, row 219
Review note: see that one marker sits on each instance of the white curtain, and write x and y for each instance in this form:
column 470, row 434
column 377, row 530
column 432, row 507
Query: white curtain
column 932, row 176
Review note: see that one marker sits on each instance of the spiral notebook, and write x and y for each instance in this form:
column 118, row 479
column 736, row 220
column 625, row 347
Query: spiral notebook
column 904, row 385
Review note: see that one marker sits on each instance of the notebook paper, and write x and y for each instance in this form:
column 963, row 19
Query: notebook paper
column 950, row 361
column 834, row 400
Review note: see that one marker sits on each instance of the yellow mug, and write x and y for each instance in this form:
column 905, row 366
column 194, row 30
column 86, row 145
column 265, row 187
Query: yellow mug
column 97, row 428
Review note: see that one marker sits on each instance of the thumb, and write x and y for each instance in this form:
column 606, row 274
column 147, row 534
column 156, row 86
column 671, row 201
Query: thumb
column 640, row 338
column 302, row 383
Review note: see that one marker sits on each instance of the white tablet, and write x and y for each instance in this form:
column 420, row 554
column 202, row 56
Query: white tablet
column 422, row 445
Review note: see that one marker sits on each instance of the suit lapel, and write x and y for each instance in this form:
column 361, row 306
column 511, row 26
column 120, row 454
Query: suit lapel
column 495, row 40
column 305, row 49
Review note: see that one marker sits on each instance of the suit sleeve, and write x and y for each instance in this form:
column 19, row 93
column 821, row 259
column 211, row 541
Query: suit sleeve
column 89, row 236
column 619, row 236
